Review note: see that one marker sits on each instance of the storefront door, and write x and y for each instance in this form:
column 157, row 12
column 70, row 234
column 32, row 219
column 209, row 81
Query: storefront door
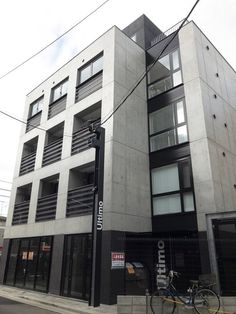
column 77, row 265
column 29, row 263
column 225, row 244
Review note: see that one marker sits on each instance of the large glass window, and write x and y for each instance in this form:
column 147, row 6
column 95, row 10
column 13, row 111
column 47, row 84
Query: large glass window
column 29, row 263
column 59, row 91
column 172, row 188
column 91, row 69
column 165, row 74
column 36, row 107
column 167, row 126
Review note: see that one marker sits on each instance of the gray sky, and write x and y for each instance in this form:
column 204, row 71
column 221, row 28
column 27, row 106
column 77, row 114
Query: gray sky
column 27, row 26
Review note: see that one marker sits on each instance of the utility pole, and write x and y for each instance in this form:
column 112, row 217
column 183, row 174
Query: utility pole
column 98, row 142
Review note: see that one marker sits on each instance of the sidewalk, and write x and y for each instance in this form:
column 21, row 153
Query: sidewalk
column 54, row 303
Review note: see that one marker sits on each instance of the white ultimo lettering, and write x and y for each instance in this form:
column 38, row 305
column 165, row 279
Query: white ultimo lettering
column 161, row 264
column 100, row 216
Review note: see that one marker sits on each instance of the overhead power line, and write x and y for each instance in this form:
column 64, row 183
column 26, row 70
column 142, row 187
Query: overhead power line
column 155, row 61
column 52, row 42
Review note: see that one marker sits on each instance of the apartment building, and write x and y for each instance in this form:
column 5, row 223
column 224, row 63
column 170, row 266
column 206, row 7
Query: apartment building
column 169, row 172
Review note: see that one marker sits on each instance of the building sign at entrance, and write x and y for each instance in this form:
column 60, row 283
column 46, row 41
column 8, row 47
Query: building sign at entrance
column 100, row 216
column 117, row 260
column 161, row 264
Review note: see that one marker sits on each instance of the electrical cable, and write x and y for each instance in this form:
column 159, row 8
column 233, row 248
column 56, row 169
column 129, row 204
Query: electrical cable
column 155, row 61
column 55, row 40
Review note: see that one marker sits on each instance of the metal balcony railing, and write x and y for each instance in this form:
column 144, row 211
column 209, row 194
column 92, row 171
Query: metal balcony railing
column 80, row 201
column 52, row 152
column 33, row 121
column 88, row 87
column 27, row 163
column 46, row 209
column 20, row 214
column 57, row 106
column 80, row 138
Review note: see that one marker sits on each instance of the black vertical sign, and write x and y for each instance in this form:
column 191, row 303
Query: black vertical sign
column 97, row 224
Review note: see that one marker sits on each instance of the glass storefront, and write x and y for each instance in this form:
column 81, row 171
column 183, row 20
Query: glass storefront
column 29, row 263
column 77, row 266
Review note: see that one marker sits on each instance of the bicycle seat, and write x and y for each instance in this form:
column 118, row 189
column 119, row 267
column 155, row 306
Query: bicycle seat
column 194, row 282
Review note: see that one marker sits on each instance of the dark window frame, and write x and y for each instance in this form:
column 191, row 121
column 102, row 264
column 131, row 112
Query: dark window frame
column 89, row 63
column 182, row 190
column 175, row 127
column 52, row 100
column 37, row 101
column 172, row 71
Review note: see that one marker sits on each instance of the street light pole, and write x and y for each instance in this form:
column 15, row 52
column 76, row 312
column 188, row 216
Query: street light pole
column 98, row 142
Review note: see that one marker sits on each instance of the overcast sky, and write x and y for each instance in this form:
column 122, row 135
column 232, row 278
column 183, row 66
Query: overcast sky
column 27, row 26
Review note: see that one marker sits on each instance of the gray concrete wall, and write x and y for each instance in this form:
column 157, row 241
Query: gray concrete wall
column 211, row 113
column 126, row 191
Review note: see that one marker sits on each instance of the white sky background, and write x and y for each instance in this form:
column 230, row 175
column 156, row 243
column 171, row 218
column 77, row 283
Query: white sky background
column 27, row 26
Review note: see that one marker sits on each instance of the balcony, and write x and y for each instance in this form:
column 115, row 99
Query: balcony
column 80, row 201
column 52, row 152
column 81, row 138
column 46, row 209
column 33, row 122
column 27, row 163
column 21, row 211
column 57, row 106
column 88, row 87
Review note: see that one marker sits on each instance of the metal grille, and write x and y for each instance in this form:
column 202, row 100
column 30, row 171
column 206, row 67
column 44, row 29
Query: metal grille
column 81, row 137
column 80, row 201
column 88, row 87
column 33, row 122
column 27, row 163
column 52, row 152
column 57, row 106
column 46, row 209
column 21, row 211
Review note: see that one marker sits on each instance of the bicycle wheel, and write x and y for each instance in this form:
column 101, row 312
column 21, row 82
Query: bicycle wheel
column 162, row 302
column 206, row 301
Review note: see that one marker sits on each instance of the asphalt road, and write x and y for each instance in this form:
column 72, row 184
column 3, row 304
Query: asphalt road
column 11, row 307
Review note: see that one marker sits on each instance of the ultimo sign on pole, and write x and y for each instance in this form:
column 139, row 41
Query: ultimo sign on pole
column 161, row 263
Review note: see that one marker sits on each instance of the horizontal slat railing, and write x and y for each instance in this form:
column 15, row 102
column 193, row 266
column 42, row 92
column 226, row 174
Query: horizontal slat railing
column 52, row 152
column 81, row 137
column 57, row 106
column 27, row 163
column 89, row 87
column 33, row 121
column 46, row 208
column 80, row 201
column 20, row 215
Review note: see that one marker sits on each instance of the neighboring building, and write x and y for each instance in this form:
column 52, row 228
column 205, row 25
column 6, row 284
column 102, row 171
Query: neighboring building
column 2, row 228
column 170, row 167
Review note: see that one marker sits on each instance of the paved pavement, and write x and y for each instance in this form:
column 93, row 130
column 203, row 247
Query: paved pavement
column 48, row 303
column 12, row 307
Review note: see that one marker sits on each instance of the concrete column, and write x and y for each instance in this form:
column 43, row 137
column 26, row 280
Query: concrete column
column 56, row 264
column 112, row 241
column 3, row 261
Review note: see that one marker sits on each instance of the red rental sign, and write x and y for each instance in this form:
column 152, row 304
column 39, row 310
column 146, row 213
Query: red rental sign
column 117, row 260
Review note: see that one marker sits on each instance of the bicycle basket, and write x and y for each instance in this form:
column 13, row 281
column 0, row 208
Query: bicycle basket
column 207, row 280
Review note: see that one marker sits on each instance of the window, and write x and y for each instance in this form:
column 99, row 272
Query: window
column 172, row 188
column 91, row 69
column 165, row 74
column 59, row 91
column 36, row 107
column 167, row 126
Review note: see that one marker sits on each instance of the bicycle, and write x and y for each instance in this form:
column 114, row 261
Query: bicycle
column 199, row 297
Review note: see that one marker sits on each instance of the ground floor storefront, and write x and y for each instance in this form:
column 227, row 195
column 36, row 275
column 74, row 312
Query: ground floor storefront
column 131, row 263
